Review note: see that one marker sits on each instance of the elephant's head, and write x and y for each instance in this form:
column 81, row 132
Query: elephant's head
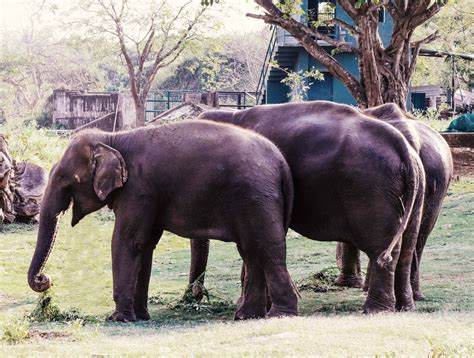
column 86, row 174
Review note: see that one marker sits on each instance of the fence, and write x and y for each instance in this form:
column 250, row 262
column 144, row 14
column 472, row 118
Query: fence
column 161, row 101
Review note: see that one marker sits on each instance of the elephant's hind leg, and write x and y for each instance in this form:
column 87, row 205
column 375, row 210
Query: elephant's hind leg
column 269, row 250
column 253, row 297
column 403, row 287
column 381, row 293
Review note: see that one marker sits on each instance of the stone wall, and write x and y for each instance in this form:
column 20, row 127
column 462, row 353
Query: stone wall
column 75, row 109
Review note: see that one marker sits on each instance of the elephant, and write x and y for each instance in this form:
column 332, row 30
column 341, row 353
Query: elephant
column 437, row 162
column 356, row 180
column 196, row 179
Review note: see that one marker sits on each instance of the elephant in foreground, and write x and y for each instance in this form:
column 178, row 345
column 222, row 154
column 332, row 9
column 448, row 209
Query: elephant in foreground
column 435, row 155
column 356, row 180
column 196, row 179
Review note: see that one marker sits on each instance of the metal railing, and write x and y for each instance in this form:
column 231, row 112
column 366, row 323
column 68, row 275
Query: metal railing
column 266, row 66
column 161, row 101
column 239, row 100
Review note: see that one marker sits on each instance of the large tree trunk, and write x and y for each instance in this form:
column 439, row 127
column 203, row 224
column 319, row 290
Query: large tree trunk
column 140, row 109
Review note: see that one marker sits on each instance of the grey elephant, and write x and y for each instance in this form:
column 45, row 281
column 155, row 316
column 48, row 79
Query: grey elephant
column 357, row 180
column 437, row 162
column 196, row 179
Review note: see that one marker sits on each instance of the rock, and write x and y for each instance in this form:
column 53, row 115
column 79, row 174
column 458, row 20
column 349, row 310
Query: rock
column 30, row 182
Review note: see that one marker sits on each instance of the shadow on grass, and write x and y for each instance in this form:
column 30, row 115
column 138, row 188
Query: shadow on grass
column 17, row 228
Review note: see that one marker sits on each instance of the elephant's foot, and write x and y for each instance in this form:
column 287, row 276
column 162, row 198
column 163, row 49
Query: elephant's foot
column 142, row 314
column 405, row 307
column 374, row 306
column 245, row 312
column 418, row 296
column 124, row 317
column 405, row 303
column 198, row 291
column 282, row 312
column 353, row 281
column 195, row 292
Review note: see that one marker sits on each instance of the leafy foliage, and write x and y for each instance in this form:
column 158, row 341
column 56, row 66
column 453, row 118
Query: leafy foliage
column 15, row 331
column 37, row 146
column 298, row 81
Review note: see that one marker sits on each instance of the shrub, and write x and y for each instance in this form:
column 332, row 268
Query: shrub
column 15, row 331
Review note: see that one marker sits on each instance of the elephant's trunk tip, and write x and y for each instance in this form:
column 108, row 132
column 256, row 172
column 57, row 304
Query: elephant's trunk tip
column 40, row 282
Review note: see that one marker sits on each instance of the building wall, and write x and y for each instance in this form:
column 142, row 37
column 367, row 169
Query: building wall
column 72, row 109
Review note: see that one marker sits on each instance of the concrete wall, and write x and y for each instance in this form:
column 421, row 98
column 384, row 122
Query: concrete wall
column 74, row 109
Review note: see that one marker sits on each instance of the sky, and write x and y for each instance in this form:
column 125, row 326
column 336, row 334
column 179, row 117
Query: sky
column 13, row 15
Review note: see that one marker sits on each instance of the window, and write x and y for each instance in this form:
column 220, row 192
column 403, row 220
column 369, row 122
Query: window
column 319, row 12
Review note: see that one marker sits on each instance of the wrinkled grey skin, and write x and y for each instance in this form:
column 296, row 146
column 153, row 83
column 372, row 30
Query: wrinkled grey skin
column 435, row 155
column 196, row 179
column 356, row 180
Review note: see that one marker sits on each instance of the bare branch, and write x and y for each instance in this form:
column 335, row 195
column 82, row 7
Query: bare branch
column 270, row 7
column 349, row 8
column 166, row 31
column 392, row 9
column 344, row 25
column 416, row 51
column 427, row 13
column 344, row 46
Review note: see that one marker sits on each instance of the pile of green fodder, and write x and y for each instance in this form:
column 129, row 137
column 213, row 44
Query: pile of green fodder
column 47, row 310
column 322, row 281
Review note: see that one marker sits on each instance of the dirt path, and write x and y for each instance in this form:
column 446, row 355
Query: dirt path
column 463, row 159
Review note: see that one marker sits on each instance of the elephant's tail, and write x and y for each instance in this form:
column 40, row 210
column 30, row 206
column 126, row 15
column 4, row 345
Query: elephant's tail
column 414, row 180
column 288, row 193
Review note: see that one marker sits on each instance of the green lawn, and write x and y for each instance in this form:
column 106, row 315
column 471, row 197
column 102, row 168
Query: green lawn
column 330, row 323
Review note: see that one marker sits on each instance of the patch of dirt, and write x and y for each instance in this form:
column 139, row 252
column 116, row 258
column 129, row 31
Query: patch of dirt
column 463, row 159
column 48, row 335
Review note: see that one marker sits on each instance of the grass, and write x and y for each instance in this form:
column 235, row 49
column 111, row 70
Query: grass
column 330, row 323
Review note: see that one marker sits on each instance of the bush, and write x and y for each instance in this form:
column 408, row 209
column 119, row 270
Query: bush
column 15, row 331
column 36, row 146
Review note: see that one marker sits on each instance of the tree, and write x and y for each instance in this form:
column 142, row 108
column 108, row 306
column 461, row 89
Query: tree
column 221, row 64
column 33, row 62
column 384, row 71
column 454, row 24
column 150, row 35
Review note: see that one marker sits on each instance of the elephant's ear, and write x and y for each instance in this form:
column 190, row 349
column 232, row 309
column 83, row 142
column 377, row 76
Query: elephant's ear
column 110, row 170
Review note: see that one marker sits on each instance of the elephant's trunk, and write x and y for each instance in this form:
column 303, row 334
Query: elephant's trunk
column 48, row 227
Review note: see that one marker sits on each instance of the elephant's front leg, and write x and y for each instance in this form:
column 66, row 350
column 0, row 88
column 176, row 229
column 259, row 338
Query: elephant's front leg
column 140, row 301
column 197, row 270
column 128, row 247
